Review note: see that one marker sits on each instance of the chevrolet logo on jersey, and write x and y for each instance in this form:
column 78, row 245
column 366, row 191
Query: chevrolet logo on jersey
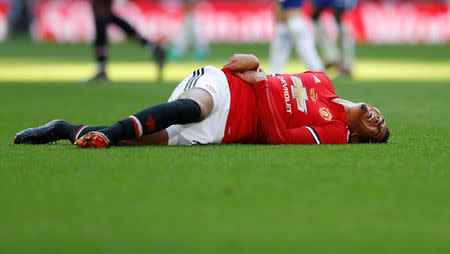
column 287, row 97
column 299, row 94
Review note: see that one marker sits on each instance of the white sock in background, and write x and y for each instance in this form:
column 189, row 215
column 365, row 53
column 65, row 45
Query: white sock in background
column 304, row 44
column 328, row 47
column 348, row 48
column 280, row 49
column 181, row 42
column 200, row 44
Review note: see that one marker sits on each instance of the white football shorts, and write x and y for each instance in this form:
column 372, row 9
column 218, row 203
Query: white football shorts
column 212, row 129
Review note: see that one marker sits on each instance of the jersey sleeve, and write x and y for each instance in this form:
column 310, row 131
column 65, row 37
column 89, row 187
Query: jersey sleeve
column 326, row 134
column 312, row 135
column 276, row 132
column 227, row 74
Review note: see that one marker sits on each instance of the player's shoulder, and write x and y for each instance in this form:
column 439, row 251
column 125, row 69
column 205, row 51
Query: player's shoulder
column 310, row 77
column 306, row 77
column 319, row 80
column 316, row 76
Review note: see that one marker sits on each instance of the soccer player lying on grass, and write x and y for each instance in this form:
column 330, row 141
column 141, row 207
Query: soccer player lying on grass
column 238, row 104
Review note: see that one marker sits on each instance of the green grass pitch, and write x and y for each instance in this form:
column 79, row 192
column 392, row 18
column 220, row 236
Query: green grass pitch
column 392, row 198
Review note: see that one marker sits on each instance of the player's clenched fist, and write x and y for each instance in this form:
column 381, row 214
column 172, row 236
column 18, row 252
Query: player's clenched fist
column 253, row 77
column 242, row 63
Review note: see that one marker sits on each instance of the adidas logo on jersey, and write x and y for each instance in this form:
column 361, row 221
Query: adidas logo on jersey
column 317, row 80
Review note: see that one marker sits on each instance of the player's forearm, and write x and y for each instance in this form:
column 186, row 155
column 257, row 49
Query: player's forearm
column 242, row 63
column 273, row 127
column 253, row 77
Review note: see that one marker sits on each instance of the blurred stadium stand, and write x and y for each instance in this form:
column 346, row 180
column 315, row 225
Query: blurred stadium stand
column 374, row 21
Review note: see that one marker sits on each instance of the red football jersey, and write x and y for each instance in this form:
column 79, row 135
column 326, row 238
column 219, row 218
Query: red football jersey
column 242, row 122
column 298, row 109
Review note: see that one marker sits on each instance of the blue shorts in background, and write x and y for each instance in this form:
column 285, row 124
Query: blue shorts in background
column 335, row 4
column 288, row 4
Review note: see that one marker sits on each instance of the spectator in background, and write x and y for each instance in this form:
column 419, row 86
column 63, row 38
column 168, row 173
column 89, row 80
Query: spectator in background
column 344, row 57
column 190, row 35
column 21, row 15
column 103, row 16
column 290, row 29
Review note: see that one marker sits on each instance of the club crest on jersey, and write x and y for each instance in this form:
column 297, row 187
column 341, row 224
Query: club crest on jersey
column 325, row 113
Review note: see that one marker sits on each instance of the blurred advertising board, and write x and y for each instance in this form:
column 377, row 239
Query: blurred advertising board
column 393, row 22
column 401, row 22
column 3, row 19
column 222, row 21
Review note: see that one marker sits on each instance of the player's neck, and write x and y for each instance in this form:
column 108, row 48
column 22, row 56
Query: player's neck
column 349, row 108
column 345, row 103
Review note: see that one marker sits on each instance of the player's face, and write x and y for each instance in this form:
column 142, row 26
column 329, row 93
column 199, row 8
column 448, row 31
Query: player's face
column 368, row 125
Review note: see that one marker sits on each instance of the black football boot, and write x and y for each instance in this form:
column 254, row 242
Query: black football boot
column 41, row 135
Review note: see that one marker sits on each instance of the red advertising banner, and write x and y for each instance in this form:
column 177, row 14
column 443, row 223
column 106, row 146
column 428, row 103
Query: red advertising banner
column 238, row 21
column 402, row 22
column 221, row 21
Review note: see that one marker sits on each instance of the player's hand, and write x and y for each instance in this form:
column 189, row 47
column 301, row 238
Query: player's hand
column 242, row 62
column 253, row 77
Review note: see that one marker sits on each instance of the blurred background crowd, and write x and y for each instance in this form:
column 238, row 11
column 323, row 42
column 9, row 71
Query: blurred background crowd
column 186, row 28
column 19, row 16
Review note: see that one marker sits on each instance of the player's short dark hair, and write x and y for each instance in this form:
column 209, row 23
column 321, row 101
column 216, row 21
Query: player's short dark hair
column 386, row 136
column 368, row 140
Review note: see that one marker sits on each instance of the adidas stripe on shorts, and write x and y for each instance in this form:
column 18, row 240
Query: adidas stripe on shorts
column 211, row 130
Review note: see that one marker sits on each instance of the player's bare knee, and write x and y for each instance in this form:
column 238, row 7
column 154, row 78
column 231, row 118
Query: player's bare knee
column 202, row 98
column 291, row 13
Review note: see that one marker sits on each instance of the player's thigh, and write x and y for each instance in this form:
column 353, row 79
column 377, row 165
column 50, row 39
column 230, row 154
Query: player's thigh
column 208, row 86
column 101, row 7
column 203, row 99
column 207, row 80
